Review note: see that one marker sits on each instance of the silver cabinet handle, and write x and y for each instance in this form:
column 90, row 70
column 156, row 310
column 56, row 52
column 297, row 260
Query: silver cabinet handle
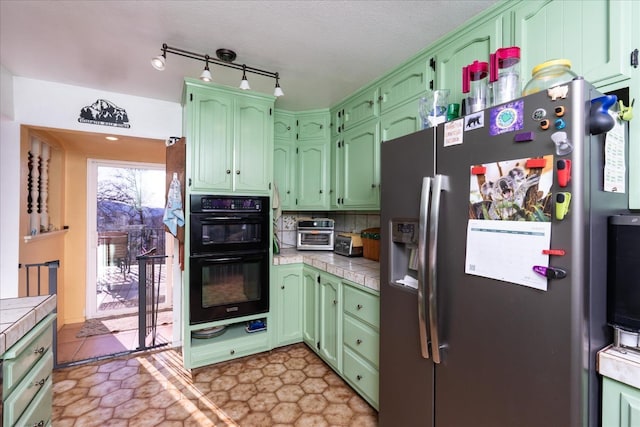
column 358, row 341
column 359, row 307
column 39, row 383
column 238, row 172
column 434, row 218
column 38, row 350
column 228, row 171
column 359, row 377
column 422, row 272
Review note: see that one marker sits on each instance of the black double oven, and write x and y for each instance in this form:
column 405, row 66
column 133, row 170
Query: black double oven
column 229, row 257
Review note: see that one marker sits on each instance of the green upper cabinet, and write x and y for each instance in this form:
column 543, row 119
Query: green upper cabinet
column 361, row 107
column 284, row 126
column 400, row 121
column 284, row 173
column 357, row 162
column 475, row 42
column 313, row 157
column 313, row 127
column 407, row 82
column 253, row 148
column 284, row 158
column 593, row 35
column 210, row 136
column 230, row 139
column 313, row 177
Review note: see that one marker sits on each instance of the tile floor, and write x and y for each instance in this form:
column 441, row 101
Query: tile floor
column 289, row 386
column 73, row 349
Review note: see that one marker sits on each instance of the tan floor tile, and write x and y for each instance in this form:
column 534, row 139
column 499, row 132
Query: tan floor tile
column 257, row 419
column 148, row 418
column 311, row 420
column 81, row 406
column 67, row 351
column 263, row 402
column 117, row 397
column 289, row 386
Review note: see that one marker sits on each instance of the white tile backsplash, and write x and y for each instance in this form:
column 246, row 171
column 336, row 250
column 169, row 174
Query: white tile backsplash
column 344, row 222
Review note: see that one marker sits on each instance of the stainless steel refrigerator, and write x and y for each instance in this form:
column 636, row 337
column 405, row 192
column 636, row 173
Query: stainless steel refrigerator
column 461, row 347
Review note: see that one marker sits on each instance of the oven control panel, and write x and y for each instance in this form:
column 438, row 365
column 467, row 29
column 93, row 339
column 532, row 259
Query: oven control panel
column 203, row 203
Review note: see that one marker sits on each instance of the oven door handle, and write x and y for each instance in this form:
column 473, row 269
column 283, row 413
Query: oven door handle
column 221, row 260
column 221, row 218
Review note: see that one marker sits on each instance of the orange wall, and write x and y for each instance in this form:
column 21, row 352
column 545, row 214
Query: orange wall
column 72, row 278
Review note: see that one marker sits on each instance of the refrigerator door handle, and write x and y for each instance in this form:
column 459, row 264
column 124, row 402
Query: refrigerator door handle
column 422, row 267
column 432, row 288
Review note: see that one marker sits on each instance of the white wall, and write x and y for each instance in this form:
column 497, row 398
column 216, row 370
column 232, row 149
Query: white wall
column 54, row 105
column 9, row 171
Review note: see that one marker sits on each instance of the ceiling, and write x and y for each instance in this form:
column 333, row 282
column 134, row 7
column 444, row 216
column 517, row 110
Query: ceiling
column 323, row 50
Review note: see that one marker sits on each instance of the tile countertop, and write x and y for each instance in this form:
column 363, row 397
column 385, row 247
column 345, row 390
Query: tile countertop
column 19, row 315
column 622, row 367
column 359, row 270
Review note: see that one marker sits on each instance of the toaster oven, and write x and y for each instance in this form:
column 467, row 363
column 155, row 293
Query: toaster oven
column 315, row 234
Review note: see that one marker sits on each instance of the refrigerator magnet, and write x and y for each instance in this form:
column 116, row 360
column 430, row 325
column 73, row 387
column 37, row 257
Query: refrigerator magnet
column 550, row 272
column 563, row 200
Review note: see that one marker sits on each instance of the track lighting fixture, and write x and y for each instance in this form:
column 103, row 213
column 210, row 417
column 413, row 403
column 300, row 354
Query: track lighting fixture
column 278, row 91
column 244, row 84
column 206, row 74
column 225, row 58
column 159, row 61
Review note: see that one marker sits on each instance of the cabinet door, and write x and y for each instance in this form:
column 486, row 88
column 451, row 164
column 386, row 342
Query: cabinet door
column 336, row 170
column 313, row 127
column 361, row 173
column 475, row 43
column 401, row 121
column 309, row 317
column 289, row 301
column 211, row 134
column 362, row 107
column 620, row 404
column 253, row 145
column 284, row 127
column 329, row 332
column 406, row 83
column 284, row 172
column 312, row 176
column 593, row 35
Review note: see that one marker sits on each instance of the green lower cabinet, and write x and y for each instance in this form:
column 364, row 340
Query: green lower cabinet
column 310, row 279
column 361, row 340
column 287, row 304
column 233, row 343
column 330, row 327
column 620, row 404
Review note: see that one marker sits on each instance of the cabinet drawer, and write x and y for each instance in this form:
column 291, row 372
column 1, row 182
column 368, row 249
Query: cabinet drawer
column 34, row 382
column 361, row 375
column 39, row 411
column 26, row 352
column 362, row 305
column 234, row 343
column 362, row 339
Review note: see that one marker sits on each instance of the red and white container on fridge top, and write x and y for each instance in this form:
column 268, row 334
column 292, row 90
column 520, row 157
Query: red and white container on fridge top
column 474, row 82
column 505, row 74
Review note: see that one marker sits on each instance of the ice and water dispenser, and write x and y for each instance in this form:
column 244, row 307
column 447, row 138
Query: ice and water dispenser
column 403, row 259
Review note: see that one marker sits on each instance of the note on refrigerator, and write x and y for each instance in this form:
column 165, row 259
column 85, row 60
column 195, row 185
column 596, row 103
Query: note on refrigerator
column 508, row 250
column 614, row 159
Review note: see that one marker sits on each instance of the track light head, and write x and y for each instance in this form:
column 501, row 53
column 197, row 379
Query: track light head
column 206, row 74
column 158, row 62
column 278, row 90
column 244, row 84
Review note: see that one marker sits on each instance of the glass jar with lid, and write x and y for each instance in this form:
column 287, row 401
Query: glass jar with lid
column 549, row 74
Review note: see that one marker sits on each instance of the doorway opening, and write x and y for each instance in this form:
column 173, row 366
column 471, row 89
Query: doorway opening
column 124, row 219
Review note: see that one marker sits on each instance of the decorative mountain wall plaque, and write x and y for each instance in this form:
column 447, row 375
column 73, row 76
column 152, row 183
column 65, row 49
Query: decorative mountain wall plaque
column 105, row 113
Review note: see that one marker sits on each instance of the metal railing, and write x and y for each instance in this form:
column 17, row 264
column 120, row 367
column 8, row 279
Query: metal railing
column 149, row 277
